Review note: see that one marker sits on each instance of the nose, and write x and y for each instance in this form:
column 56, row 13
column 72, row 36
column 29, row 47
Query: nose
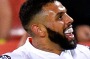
column 68, row 19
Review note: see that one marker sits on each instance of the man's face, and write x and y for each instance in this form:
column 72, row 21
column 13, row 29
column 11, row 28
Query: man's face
column 83, row 33
column 58, row 25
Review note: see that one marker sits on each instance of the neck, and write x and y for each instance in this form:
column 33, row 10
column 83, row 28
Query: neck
column 46, row 45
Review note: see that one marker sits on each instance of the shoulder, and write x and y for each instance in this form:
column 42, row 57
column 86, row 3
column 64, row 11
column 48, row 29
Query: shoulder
column 81, row 50
column 82, row 47
column 14, row 55
column 19, row 53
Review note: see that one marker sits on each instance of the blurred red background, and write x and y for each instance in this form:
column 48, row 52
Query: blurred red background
column 14, row 38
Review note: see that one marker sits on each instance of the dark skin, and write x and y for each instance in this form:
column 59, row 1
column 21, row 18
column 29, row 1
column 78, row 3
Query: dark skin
column 54, row 17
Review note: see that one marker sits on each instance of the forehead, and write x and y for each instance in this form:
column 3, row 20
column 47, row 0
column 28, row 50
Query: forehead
column 55, row 6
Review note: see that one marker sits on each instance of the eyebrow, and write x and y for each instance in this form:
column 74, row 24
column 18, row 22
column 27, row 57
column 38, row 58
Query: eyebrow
column 59, row 13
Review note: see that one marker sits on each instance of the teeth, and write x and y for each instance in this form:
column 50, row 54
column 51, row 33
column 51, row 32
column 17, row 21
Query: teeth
column 70, row 30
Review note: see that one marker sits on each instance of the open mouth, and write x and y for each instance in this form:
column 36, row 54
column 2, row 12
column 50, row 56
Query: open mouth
column 69, row 33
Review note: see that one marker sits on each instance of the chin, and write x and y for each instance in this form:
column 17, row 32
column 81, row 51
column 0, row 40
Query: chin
column 62, row 41
column 71, row 45
column 67, row 45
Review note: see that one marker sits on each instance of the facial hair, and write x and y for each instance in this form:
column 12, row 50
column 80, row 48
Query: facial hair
column 62, row 41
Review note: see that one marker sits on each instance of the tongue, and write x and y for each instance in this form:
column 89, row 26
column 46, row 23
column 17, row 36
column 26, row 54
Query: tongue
column 70, row 36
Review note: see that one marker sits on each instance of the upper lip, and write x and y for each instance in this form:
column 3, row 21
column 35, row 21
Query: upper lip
column 70, row 26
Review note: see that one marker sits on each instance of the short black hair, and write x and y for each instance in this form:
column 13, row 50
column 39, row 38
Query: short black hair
column 29, row 9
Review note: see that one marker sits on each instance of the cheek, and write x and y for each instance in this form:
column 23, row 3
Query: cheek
column 57, row 26
column 60, row 27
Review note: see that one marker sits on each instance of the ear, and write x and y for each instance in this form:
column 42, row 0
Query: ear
column 38, row 30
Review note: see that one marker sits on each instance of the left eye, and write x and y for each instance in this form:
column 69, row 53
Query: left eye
column 60, row 15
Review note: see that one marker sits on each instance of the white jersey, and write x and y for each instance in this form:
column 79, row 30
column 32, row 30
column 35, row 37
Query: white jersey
column 27, row 51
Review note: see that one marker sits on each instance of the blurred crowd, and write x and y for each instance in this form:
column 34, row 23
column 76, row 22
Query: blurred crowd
column 10, row 26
